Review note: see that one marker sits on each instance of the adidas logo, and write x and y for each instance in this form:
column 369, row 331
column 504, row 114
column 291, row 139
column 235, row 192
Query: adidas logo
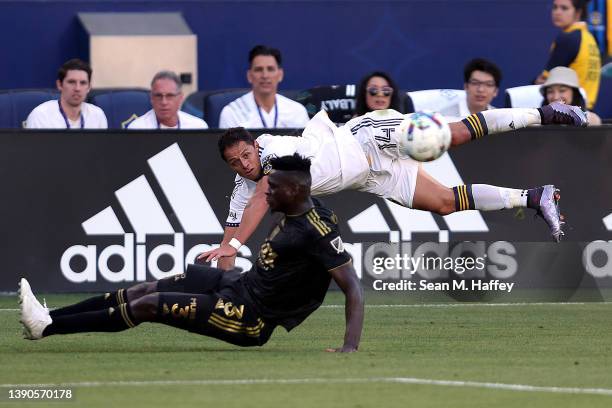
column 146, row 216
column 411, row 221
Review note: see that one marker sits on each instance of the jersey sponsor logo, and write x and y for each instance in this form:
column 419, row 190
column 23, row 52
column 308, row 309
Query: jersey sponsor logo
column 191, row 213
column 337, row 244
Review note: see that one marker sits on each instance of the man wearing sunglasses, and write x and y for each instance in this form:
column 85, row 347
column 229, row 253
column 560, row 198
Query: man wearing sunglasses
column 166, row 99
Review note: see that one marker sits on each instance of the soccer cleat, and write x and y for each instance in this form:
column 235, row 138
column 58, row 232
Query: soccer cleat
column 549, row 211
column 34, row 316
column 558, row 113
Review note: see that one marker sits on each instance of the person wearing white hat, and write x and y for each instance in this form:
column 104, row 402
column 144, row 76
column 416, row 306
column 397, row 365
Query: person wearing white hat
column 562, row 86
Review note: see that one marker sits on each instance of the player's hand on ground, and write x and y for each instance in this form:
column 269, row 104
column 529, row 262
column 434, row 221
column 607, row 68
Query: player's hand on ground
column 343, row 349
column 558, row 113
column 217, row 253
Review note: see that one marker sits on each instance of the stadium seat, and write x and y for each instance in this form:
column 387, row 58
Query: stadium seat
column 527, row 96
column 445, row 101
column 215, row 101
column 337, row 100
column 121, row 105
column 16, row 105
column 194, row 103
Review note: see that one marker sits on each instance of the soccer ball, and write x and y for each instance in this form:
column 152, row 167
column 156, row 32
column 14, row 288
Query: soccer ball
column 424, row 136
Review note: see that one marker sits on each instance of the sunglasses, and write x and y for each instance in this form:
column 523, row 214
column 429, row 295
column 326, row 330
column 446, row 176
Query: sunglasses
column 385, row 90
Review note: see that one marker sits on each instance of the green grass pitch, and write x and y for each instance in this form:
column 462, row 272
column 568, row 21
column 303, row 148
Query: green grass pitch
column 563, row 348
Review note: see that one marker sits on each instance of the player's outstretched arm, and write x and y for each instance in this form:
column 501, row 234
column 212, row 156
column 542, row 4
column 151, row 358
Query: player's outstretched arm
column 347, row 280
column 227, row 262
column 502, row 120
column 253, row 213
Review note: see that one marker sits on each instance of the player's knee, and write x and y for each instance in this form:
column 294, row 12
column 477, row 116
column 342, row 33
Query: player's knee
column 145, row 308
column 141, row 289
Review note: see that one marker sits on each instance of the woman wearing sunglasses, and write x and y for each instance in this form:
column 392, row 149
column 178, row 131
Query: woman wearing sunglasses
column 376, row 91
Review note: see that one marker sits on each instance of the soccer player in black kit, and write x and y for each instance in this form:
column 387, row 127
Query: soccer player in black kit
column 288, row 281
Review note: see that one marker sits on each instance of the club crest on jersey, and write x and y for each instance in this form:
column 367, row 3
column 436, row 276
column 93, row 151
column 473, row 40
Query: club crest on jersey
column 266, row 165
column 337, row 244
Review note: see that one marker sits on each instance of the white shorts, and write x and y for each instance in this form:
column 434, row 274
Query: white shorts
column 393, row 179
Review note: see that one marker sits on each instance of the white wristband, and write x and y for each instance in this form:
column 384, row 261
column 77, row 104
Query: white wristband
column 234, row 243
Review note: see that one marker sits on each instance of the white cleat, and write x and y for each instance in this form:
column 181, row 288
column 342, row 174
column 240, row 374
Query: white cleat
column 34, row 316
column 549, row 210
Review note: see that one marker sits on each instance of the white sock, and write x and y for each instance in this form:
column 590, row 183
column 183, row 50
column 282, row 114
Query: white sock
column 487, row 197
column 501, row 120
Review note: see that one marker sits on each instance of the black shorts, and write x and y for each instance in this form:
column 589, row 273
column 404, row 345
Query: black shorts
column 210, row 301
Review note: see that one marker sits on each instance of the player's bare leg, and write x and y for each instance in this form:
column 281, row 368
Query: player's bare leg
column 430, row 195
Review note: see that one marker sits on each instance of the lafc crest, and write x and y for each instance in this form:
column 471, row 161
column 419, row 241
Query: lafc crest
column 229, row 309
column 187, row 312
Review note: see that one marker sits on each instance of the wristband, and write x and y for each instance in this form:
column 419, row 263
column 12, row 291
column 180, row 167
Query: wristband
column 234, row 243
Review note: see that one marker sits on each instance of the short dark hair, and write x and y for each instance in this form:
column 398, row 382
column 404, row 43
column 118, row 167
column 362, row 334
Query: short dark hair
column 299, row 167
column 361, row 107
column 481, row 64
column 74, row 64
column 233, row 136
column 294, row 162
column 265, row 50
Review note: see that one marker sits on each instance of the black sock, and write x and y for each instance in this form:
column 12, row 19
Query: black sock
column 533, row 197
column 113, row 319
column 93, row 304
column 477, row 125
column 464, row 200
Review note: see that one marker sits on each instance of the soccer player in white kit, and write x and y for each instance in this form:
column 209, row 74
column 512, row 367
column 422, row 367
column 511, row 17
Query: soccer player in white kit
column 363, row 155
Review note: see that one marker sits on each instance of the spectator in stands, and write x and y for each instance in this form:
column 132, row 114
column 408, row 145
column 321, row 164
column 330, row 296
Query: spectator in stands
column 70, row 111
column 574, row 47
column 377, row 91
column 263, row 107
column 562, row 86
column 481, row 79
column 166, row 99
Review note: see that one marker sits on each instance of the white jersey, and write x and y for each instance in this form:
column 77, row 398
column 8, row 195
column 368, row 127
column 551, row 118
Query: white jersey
column 362, row 155
column 392, row 175
column 244, row 112
column 337, row 161
column 149, row 121
column 47, row 115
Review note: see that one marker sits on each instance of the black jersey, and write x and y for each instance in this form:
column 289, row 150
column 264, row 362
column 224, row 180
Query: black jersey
column 291, row 275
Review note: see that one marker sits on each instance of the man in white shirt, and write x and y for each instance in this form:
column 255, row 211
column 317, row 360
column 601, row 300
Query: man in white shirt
column 481, row 84
column 166, row 99
column 70, row 111
column 263, row 107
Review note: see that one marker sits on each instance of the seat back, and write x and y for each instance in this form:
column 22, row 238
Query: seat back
column 121, row 105
column 445, row 101
column 194, row 104
column 527, row 96
column 337, row 100
column 16, row 105
column 215, row 101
